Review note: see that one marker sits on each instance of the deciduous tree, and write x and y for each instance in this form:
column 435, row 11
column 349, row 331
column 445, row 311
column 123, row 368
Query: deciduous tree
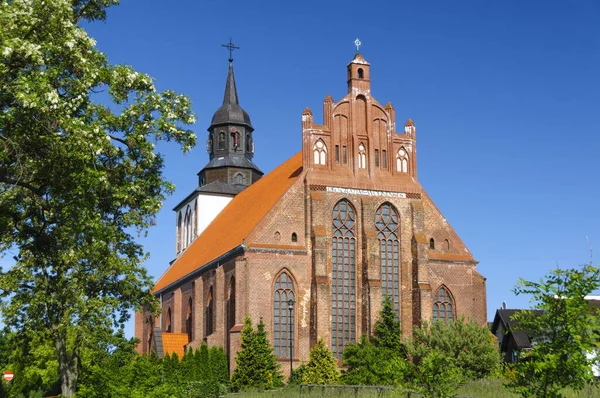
column 562, row 336
column 77, row 177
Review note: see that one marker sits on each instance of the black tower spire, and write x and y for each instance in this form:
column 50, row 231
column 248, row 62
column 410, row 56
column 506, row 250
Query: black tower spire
column 230, row 145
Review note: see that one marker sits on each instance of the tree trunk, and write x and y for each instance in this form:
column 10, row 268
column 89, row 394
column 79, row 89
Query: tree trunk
column 67, row 365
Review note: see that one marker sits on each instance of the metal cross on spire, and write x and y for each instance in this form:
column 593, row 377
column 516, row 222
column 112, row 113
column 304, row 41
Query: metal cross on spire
column 357, row 43
column 230, row 47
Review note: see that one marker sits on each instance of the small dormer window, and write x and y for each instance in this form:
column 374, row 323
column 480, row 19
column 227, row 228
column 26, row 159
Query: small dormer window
column 360, row 73
column 239, row 179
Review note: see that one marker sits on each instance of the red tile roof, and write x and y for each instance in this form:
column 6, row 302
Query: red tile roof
column 174, row 343
column 235, row 222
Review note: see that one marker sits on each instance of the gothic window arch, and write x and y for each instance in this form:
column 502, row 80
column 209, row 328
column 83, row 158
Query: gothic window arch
column 443, row 306
column 221, row 140
column 362, row 156
column 189, row 320
column 231, row 304
column 179, row 233
column 320, row 152
column 239, row 179
column 168, row 321
column 343, row 289
column 209, row 313
column 150, row 323
column 195, row 219
column 283, row 318
column 187, row 221
column 387, row 222
column 402, row 161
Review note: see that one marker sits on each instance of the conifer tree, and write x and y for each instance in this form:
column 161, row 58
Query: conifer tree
column 218, row 364
column 322, row 366
column 376, row 360
column 256, row 364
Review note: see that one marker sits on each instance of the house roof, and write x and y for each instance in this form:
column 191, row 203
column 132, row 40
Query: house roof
column 235, row 222
column 173, row 343
column 521, row 337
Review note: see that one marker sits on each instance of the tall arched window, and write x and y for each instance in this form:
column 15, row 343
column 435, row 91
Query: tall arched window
column 387, row 221
column 343, row 289
column 248, row 143
column 443, row 306
column 187, row 221
column 179, row 233
column 402, row 161
column 209, row 314
column 188, row 320
column 221, row 140
column 195, row 219
column 362, row 157
column 320, row 152
column 168, row 321
column 283, row 319
column 231, row 304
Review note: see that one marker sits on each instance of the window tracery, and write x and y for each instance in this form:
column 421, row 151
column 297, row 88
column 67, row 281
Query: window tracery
column 443, row 306
column 320, row 152
column 387, row 224
column 283, row 318
column 343, row 289
column 362, row 156
column 402, row 161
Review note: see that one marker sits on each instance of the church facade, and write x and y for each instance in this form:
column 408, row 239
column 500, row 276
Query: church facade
column 312, row 247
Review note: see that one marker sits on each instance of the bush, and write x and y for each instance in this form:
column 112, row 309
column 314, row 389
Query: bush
column 205, row 389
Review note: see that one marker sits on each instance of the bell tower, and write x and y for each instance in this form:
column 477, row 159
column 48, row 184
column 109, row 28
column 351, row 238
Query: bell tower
column 230, row 145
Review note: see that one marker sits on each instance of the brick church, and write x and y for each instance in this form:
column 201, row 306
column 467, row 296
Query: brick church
column 313, row 246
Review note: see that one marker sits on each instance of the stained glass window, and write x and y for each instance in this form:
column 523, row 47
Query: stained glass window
column 386, row 222
column 343, row 289
column 443, row 306
column 283, row 318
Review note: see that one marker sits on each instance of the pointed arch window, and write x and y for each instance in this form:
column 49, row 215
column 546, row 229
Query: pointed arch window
column 320, row 152
column 195, row 219
column 188, row 320
column 168, row 321
column 443, row 306
column 209, row 314
column 387, row 224
column 283, row 318
column 343, row 289
column 362, row 156
column 187, row 221
column 179, row 233
column 239, row 179
column 231, row 304
column 221, row 140
column 402, row 161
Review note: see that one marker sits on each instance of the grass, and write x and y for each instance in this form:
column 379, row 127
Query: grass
column 485, row 388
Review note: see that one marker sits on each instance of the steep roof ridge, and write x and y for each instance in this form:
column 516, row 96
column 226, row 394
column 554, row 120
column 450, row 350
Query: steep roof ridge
column 243, row 213
column 230, row 96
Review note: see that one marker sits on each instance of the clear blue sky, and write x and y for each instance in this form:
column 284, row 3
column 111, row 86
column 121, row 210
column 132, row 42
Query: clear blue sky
column 505, row 96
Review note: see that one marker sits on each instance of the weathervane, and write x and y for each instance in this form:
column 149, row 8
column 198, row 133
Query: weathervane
column 357, row 43
column 231, row 47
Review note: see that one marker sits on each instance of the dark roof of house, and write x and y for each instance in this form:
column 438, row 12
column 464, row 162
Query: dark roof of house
column 510, row 324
